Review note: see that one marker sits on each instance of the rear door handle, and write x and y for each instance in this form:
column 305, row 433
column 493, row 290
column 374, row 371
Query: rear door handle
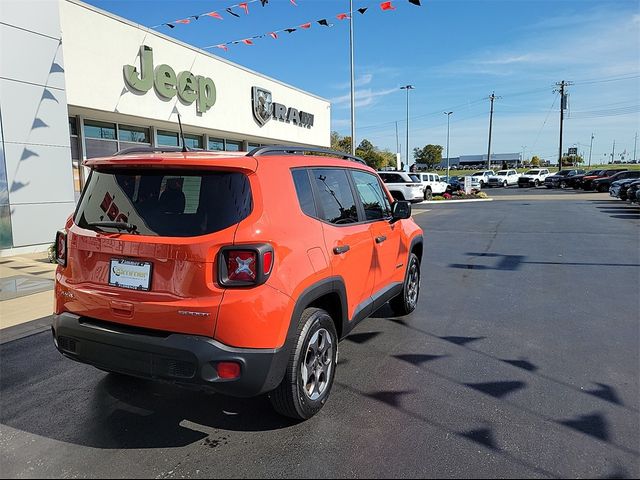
column 381, row 239
column 342, row 249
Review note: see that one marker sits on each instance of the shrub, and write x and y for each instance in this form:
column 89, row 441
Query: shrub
column 440, row 197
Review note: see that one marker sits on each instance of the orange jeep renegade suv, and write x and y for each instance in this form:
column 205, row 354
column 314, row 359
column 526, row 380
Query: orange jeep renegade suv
column 236, row 272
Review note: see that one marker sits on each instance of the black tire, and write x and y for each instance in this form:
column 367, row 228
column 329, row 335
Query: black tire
column 407, row 300
column 536, row 183
column 563, row 184
column 481, row 183
column 428, row 195
column 520, row 185
column 291, row 398
column 602, row 188
column 397, row 195
column 505, row 184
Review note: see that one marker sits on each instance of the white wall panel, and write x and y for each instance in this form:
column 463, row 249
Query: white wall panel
column 38, row 59
column 35, row 224
column 38, row 173
column 33, row 114
column 39, row 16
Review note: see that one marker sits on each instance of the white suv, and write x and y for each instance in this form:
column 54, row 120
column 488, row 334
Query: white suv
column 504, row 178
column 403, row 186
column 432, row 183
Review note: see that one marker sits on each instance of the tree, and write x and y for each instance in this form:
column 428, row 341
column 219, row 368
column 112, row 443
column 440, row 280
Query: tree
column 570, row 160
column 341, row 144
column 429, row 154
column 535, row 161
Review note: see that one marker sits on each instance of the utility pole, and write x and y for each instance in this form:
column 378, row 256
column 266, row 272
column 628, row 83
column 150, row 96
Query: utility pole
column 563, row 106
column 397, row 149
column 407, row 88
column 635, row 142
column 590, row 149
column 492, row 98
column 353, row 93
column 448, row 114
column 613, row 151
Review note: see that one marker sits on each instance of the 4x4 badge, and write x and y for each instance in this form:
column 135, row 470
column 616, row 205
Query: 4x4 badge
column 262, row 105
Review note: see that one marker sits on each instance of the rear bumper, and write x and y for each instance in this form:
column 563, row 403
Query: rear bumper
column 177, row 358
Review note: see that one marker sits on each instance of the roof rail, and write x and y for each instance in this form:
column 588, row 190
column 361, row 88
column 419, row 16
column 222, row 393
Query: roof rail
column 292, row 150
column 144, row 149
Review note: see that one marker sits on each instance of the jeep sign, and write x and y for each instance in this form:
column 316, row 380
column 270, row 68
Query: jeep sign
column 264, row 109
column 167, row 84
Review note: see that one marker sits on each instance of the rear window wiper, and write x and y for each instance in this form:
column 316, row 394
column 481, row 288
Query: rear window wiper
column 129, row 227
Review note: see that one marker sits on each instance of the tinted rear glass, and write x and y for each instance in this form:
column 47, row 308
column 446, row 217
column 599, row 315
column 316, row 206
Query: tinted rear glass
column 172, row 203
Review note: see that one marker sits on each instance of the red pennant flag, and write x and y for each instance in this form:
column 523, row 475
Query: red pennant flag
column 215, row 15
column 274, row 35
column 245, row 7
column 293, row 2
column 246, row 41
column 342, row 16
column 184, row 20
column 305, row 25
column 223, row 47
column 387, row 6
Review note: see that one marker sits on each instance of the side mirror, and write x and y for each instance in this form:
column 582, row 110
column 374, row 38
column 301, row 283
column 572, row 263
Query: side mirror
column 400, row 210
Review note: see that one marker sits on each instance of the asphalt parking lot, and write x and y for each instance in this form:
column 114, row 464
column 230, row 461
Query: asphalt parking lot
column 522, row 360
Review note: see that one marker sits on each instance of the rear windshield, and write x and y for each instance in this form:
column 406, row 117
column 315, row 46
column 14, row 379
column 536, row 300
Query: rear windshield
column 533, row 172
column 415, row 178
column 171, row 203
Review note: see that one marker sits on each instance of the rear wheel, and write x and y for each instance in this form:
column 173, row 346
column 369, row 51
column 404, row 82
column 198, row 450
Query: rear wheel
column 504, row 184
column 407, row 300
column 537, row 183
column 428, row 194
column 311, row 369
column 563, row 184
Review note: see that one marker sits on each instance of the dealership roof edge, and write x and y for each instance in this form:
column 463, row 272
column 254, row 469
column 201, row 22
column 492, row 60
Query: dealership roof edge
column 190, row 47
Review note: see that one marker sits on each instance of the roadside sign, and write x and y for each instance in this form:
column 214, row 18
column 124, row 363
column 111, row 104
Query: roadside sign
column 467, row 184
column 573, row 150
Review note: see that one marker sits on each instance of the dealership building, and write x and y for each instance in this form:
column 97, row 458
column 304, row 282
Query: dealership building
column 77, row 82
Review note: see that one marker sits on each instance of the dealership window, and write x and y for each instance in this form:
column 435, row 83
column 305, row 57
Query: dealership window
column 233, row 146
column 216, row 144
column 100, row 138
column 251, row 146
column 193, row 141
column 74, row 141
column 129, row 134
column 167, row 138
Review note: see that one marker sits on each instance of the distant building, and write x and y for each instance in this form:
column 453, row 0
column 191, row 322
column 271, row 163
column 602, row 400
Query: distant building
column 497, row 159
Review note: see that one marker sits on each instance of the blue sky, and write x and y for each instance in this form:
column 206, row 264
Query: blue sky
column 455, row 53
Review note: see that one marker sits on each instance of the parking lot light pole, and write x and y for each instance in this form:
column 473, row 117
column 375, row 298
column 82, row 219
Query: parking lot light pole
column 448, row 114
column 590, row 149
column 407, row 88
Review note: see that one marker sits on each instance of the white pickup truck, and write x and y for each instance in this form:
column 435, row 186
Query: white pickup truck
column 482, row 178
column 432, row 184
column 534, row 176
column 504, row 178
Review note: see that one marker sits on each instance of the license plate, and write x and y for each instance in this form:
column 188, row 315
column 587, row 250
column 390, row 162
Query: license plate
column 130, row 274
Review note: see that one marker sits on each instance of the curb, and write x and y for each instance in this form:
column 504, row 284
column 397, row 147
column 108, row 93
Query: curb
column 441, row 202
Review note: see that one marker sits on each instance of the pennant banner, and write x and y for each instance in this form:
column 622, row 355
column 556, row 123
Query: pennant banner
column 244, row 6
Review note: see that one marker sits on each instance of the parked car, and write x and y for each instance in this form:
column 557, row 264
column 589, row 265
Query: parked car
column 633, row 192
column 560, row 179
column 482, row 177
column 403, row 186
column 535, row 177
column 233, row 273
column 454, row 183
column 625, row 185
column 575, row 182
column 504, row 178
column 603, row 184
column 587, row 181
column 433, row 184
column 614, row 189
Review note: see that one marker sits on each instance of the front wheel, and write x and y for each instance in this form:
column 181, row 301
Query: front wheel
column 563, row 184
column 428, row 195
column 311, row 369
column 537, row 183
column 407, row 300
column 504, row 184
